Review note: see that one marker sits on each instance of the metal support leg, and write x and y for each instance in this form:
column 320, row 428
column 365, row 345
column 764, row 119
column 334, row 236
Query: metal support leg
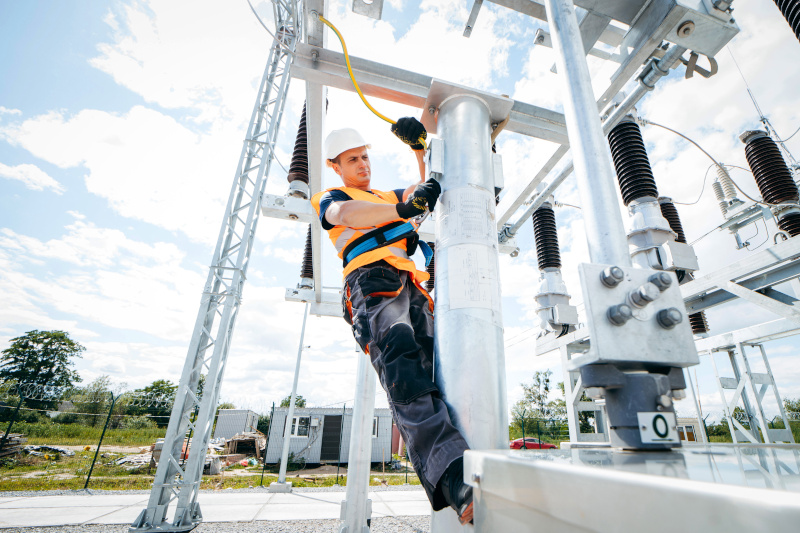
column 357, row 508
column 281, row 485
column 470, row 363
column 700, row 424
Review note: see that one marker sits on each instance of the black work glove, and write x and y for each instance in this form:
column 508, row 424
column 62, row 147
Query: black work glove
column 423, row 198
column 409, row 130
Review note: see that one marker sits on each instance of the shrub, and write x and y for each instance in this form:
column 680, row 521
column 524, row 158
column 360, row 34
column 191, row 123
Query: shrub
column 138, row 422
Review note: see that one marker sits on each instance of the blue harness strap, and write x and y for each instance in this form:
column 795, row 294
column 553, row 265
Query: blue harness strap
column 378, row 238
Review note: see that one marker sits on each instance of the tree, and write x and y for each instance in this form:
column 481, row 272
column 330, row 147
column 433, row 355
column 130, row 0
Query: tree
column 536, row 392
column 299, row 401
column 792, row 406
column 41, row 358
column 162, row 393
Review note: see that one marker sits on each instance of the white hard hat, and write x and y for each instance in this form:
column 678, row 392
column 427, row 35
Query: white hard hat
column 339, row 141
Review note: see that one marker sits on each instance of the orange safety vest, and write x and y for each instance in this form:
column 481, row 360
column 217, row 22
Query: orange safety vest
column 395, row 254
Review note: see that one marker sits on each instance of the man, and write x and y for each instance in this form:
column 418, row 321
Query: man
column 390, row 313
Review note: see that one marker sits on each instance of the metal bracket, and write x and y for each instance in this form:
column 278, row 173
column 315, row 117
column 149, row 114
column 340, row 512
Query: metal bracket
column 372, row 8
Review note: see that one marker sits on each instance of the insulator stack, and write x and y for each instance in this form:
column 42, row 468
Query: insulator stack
column 631, row 163
column 670, row 212
column 307, row 270
column 698, row 322
column 791, row 12
column 772, row 176
column 725, row 181
column 720, row 195
column 546, row 236
column 298, row 169
column 429, row 269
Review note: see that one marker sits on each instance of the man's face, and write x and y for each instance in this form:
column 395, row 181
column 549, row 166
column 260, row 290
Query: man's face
column 354, row 168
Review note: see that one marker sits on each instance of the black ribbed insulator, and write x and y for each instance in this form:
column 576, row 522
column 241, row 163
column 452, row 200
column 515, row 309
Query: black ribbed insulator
column 307, row 270
column 772, row 176
column 671, row 214
column 790, row 224
column 298, row 169
column 698, row 322
column 429, row 269
column 546, row 236
column 791, row 12
column 631, row 163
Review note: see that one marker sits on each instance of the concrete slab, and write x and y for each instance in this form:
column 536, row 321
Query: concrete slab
column 313, row 511
column 232, row 498
column 88, row 500
column 54, row 516
column 229, row 513
column 125, row 515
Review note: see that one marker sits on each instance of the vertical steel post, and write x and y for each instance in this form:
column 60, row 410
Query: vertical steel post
column 356, row 507
column 264, row 465
column 468, row 346
column 103, row 434
column 287, row 429
column 700, row 423
column 605, row 232
column 339, row 452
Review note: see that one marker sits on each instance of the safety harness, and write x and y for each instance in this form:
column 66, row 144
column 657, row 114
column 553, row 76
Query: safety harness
column 384, row 236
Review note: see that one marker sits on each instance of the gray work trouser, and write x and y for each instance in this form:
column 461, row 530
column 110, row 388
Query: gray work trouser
column 392, row 321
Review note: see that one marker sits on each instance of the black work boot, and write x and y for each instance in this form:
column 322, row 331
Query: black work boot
column 457, row 494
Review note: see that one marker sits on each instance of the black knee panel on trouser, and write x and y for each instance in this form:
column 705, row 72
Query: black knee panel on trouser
column 403, row 373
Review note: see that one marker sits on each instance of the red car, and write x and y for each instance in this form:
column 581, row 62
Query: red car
column 530, row 444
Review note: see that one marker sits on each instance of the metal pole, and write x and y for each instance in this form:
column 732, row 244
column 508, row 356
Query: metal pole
column 10, row 424
column 700, row 422
column 605, row 232
column 103, row 434
column 264, row 466
column 468, row 345
column 356, row 507
column 287, row 429
column 339, row 454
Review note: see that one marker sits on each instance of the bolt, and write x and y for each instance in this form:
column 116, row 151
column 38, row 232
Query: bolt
column 686, row 29
column 645, row 294
column 515, row 252
column 476, row 478
column 612, row 276
column 594, row 392
column 662, row 280
column 679, row 394
column 293, row 216
column 314, row 55
column 669, row 318
column 431, row 110
column 279, row 201
column 664, row 401
column 619, row 314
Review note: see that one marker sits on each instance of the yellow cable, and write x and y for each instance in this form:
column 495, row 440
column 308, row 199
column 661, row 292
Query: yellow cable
column 421, row 140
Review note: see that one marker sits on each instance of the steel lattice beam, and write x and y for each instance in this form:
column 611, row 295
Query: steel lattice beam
column 178, row 480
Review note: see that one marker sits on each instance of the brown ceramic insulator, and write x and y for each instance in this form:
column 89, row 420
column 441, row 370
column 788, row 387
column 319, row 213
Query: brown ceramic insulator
column 429, row 269
column 634, row 174
column 298, row 169
column 698, row 322
column 772, row 176
column 790, row 224
column 791, row 12
column 671, row 214
column 546, row 237
column 307, row 270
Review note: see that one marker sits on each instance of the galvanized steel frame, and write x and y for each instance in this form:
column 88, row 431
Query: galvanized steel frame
column 176, row 482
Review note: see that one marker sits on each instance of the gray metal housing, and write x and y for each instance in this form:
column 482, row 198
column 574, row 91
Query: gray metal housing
column 233, row 421
column 310, row 447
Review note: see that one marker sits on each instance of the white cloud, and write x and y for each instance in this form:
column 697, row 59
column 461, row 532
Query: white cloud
column 7, row 111
column 32, row 176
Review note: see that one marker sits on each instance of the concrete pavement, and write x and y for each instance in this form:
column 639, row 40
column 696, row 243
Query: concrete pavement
column 224, row 506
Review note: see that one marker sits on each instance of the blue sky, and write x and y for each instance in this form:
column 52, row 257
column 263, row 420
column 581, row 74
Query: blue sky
column 121, row 126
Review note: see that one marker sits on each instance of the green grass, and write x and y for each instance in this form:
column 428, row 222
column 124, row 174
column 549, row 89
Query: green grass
column 79, row 435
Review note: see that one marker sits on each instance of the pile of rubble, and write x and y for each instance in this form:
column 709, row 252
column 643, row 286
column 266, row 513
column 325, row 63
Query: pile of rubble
column 12, row 444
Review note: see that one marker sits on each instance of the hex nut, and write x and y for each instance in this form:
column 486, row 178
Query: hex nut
column 679, row 394
column 594, row 393
column 612, row 276
column 669, row 318
column 686, row 29
column 645, row 294
column 619, row 314
column 664, row 401
column 662, row 280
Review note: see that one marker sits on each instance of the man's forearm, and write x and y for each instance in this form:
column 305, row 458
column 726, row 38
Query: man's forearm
column 360, row 214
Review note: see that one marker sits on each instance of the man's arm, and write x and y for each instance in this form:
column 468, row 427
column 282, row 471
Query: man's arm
column 420, row 155
column 360, row 214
